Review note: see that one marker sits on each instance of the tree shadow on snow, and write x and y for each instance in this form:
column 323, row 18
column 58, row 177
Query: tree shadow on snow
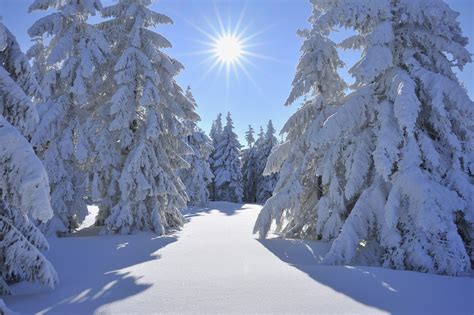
column 90, row 275
column 399, row 292
column 225, row 207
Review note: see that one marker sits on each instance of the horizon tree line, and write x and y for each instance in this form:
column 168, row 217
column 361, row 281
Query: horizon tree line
column 239, row 172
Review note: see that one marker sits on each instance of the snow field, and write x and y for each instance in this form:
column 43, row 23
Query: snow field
column 215, row 265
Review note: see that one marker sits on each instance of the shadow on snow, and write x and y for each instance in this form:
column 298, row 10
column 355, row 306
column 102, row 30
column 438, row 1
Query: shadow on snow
column 389, row 290
column 90, row 276
column 225, row 207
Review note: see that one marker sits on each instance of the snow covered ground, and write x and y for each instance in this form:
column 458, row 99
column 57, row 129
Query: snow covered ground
column 215, row 265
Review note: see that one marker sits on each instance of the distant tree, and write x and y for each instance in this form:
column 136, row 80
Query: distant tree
column 249, row 168
column 265, row 183
column 249, row 137
column 24, row 187
column 198, row 176
column 228, row 175
column 216, row 129
column 215, row 133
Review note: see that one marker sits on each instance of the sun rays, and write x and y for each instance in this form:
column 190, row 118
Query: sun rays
column 229, row 49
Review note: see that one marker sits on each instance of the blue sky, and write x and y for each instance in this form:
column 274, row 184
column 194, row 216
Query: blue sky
column 257, row 94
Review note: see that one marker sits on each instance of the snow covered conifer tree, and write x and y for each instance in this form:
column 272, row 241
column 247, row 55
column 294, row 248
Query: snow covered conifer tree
column 24, row 187
column 215, row 133
column 298, row 188
column 249, row 167
column 199, row 175
column 216, row 129
column 259, row 166
column 249, row 137
column 141, row 128
column 399, row 190
column 228, row 174
column 69, row 73
column 260, row 137
column 265, row 183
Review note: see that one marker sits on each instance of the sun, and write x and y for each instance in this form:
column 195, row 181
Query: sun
column 228, row 48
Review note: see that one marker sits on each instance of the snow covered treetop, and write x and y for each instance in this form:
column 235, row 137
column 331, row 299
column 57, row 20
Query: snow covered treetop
column 76, row 12
column 137, row 8
column 346, row 13
column 316, row 80
column 315, row 70
column 67, row 6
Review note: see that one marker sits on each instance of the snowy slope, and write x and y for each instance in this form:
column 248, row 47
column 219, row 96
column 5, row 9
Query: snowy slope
column 215, row 265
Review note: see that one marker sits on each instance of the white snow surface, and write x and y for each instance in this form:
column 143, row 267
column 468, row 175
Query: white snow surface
column 215, row 265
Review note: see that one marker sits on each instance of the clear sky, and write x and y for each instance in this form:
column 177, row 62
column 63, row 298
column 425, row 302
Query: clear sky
column 256, row 91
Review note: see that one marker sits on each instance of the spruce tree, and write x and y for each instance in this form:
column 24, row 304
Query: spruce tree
column 228, row 175
column 68, row 69
column 24, row 187
column 265, row 183
column 198, row 176
column 299, row 187
column 249, row 164
column 259, row 166
column 140, row 127
column 396, row 156
column 216, row 130
column 214, row 134
column 249, row 137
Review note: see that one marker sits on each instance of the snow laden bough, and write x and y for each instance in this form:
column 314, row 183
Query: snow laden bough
column 395, row 159
column 24, row 191
column 24, row 187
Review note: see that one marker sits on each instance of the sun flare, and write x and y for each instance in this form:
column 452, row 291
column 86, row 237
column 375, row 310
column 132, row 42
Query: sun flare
column 228, row 48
